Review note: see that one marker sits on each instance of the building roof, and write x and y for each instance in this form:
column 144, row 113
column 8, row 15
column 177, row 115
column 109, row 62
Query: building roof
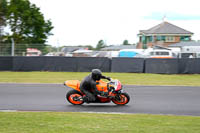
column 165, row 28
column 119, row 47
column 160, row 47
column 67, row 49
column 182, row 44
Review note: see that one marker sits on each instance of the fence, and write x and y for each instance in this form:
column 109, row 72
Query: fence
column 42, row 63
column 86, row 64
column 7, row 49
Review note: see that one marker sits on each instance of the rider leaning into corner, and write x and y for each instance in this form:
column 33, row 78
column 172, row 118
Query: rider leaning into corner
column 88, row 85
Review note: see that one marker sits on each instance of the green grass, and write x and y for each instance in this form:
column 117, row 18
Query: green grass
column 58, row 122
column 125, row 78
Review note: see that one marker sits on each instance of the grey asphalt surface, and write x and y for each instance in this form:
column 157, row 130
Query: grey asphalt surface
column 175, row 100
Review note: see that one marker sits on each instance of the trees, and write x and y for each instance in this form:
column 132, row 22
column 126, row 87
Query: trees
column 126, row 42
column 101, row 44
column 89, row 47
column 3, row 12
column 28, row 26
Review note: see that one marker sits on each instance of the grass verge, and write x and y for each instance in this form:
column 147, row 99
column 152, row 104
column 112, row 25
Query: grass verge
column 125, row 78
column 60, row 122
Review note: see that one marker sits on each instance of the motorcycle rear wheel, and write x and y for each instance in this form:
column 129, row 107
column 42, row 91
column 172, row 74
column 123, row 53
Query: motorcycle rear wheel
column 72, row 97
column 124, row 99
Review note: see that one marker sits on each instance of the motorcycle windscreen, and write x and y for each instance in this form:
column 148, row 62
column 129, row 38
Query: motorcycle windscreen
column 102, row 86
column 75, row 84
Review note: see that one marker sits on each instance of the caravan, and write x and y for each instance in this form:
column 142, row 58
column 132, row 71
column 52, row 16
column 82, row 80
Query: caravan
column 159, row 53
column 190, row 52
column 162, row 54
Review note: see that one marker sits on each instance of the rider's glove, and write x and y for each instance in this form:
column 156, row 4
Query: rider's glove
column 108, row 78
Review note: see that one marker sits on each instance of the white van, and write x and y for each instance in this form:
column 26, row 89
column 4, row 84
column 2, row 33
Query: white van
column 161, row 53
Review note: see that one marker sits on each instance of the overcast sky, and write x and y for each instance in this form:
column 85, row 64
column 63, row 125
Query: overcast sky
column 85, row 22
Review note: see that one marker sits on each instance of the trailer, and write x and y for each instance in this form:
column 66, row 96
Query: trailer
column 190, row 52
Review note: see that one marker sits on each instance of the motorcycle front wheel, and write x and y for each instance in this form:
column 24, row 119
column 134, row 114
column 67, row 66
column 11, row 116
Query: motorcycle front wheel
column 74, row 97
column 121, row 99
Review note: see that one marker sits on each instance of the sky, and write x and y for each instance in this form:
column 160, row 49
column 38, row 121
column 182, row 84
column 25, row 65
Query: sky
column 85, row 22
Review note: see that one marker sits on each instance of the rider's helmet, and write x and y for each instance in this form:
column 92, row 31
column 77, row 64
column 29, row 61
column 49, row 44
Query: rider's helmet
column 96, row 74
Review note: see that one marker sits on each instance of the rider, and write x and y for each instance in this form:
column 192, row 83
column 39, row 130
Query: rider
column 88, row 85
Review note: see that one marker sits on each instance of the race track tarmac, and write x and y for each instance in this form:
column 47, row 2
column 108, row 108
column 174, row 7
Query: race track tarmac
column 175, row 100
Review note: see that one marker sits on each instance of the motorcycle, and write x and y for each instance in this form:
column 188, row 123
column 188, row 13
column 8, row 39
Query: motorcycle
column 112, row 89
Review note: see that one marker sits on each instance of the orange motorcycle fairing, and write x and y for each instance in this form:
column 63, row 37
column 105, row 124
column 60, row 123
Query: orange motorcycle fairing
column 75, row 84
column 102, row 86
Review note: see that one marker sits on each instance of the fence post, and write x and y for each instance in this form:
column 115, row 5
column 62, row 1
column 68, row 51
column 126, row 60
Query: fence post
column 13, row 47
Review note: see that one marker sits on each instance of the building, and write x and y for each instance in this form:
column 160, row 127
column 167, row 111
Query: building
column 68, row 50
column 163, row 34
column 185, row 44
column 190, row 49
column 33, row 52
column 118, row 47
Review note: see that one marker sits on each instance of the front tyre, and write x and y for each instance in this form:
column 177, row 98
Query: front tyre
column 74, row 97
column 121, row 99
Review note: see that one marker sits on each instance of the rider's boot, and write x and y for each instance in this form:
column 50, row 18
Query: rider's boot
column 86, row 99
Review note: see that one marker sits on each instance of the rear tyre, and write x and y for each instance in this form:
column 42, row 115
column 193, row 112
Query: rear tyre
column 74, row 97
column 121, row 99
